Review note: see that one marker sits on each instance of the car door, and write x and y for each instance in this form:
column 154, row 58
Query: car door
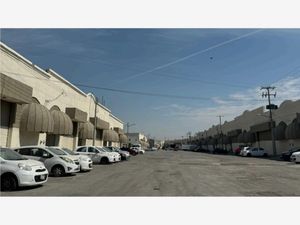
column 261, row 152
column 254, row 152
column 82, row 151
column 93, row 154
column 43, row 156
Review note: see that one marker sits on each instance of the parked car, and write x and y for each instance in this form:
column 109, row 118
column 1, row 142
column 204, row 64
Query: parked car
column 97, row 155
column 244, row 149
column 258, row 152
column 138, row 146
column 139, row 150
column 219, row 151
column 85, row 162
column 55, row 160
column 287, row 155
column 17, row 171
column 115, row 154
column 188, row 147
column 197, row 149
column 237, row 151
column 131, row 151
column 295, row 157
column 124, row 154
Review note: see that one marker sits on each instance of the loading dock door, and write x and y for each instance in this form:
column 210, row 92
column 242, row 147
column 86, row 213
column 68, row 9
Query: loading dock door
column 4, row 122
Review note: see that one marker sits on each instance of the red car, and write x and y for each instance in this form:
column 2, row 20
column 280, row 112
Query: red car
column 237, row 151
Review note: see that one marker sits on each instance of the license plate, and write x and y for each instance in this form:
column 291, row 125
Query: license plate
column 42, row 177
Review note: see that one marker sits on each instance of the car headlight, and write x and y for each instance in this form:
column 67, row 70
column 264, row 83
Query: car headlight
column 67, row 160
column 24, row 167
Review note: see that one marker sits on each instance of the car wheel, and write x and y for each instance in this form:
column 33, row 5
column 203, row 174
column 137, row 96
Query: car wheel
column 249, row 154
column 58, row 171
column 8, row 183
column 265, row 154
column 104, row 160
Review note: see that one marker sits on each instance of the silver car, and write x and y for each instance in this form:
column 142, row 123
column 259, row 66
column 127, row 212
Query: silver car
column 56, row 161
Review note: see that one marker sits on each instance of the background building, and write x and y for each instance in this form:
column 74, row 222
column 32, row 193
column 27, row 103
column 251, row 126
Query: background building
column 138, row 138
column 253, row 128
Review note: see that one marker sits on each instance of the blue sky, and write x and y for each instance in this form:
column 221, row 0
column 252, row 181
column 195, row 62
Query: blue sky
column 170, row 61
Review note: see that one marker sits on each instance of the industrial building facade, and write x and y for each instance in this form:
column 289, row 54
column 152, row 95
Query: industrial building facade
column 138, row 138
column 40, row 107
column 253, row 128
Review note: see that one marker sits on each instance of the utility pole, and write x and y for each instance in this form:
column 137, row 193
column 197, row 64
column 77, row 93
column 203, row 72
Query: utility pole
column 129, row 125
column 264, row 95
column 206, row 140
column 221, row 133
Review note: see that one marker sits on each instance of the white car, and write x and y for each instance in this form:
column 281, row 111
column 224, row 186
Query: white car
column 139, row 150
column 17, row 171
column 56, row 161
column 242, row 152
column 97, row 155
column 85, row 162
column 115, row 154
column 258, row 152
column 295, row 157
column 124, row 154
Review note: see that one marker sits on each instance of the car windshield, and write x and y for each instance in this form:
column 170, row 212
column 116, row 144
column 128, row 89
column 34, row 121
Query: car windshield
column 56, row 151
column 101, row 149
column 107, row 149
column 294, row 149
column 9, row 154
column 70, row 151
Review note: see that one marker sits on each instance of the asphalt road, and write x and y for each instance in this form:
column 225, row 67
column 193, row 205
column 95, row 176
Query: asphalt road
column 179, row 173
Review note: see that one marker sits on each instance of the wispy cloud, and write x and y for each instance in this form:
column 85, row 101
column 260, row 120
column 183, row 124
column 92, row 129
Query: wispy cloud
column 232, row 106
column 192, row 55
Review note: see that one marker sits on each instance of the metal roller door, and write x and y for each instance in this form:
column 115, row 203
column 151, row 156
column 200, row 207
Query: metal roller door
column 4, row 122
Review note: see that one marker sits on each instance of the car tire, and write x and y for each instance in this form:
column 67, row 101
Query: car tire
column 9, row 183
column 265, row 155
column 248, row 154
column 58, row 171
column 104, row 160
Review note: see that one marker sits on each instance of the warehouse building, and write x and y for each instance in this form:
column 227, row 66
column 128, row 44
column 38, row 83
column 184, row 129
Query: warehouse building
column 253, row 128
column 138, row 138
column 40, row 107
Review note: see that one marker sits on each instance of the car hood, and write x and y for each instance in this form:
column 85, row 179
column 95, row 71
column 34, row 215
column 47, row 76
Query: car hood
column 30, row 162
column 73, row 157
column 83, row 157
column 114, row 153
column 296, row 154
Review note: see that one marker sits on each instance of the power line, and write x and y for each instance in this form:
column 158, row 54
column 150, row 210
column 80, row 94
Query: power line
column 136, row 92
column 164, row 74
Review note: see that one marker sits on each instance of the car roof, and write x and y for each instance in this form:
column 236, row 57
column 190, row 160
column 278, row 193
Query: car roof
column 32, row 146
